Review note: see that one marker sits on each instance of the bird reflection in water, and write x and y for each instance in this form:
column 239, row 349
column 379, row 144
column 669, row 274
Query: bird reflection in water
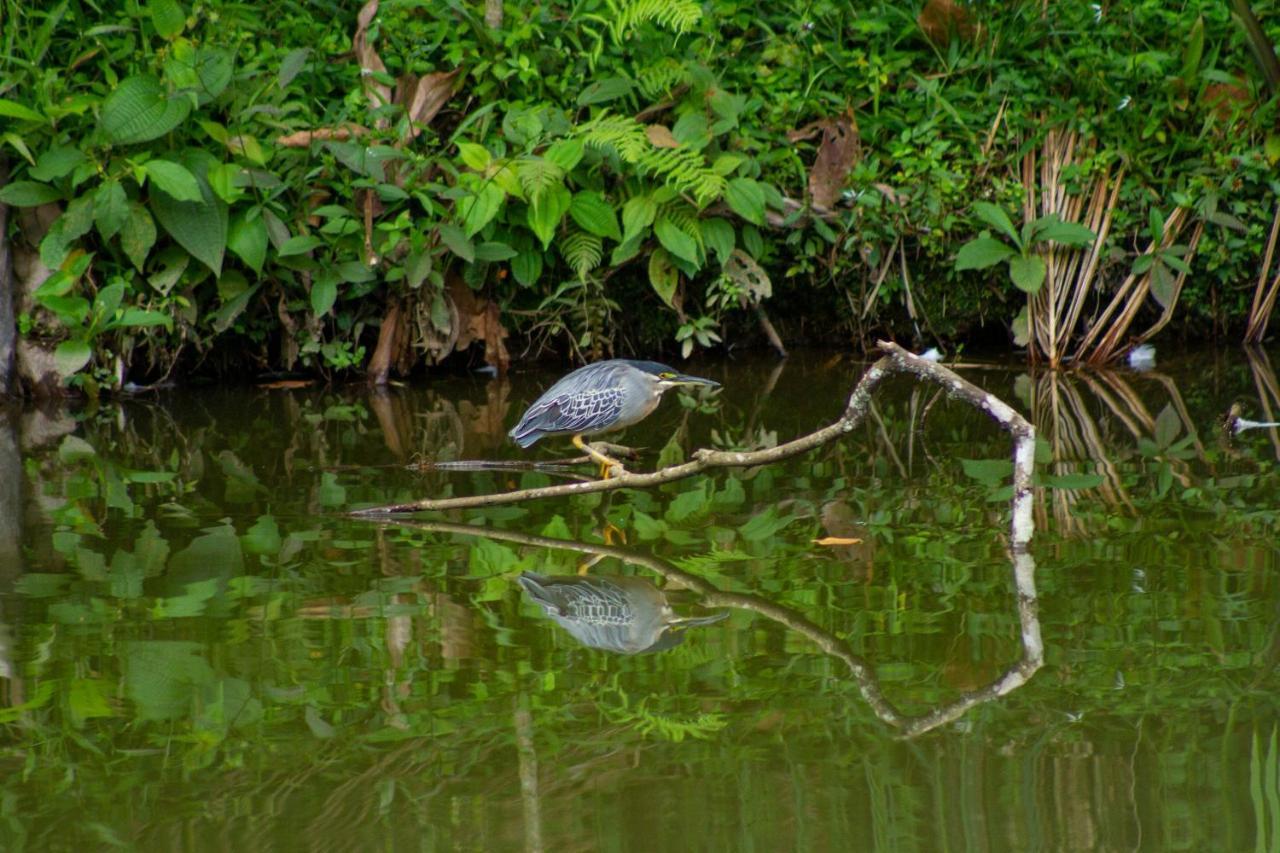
column 618, row 614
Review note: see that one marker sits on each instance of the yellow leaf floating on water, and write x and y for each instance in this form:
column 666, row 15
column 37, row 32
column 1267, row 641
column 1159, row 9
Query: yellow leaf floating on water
column 837, row 540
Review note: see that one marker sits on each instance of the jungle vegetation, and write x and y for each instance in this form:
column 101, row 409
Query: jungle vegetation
column 219, row 187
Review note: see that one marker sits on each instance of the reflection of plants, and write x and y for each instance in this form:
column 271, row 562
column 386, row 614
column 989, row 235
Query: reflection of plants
column 666, row 726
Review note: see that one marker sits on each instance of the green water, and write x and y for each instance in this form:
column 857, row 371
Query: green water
column 198, row 650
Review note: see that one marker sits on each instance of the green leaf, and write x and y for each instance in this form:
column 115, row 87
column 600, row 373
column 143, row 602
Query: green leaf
column 546, row 212
column 637, row 214
column 1163, row 285
column 139, row 110
column 226, row 315
column 527, row 266
column 71, row 355
column 1074, row 481
column 1027, row 272
column 167, row 17
column 997, row 219
column 292, row 64
column 475, row 156
column 603, row 91
column 57, row 163
column 324, row 292
column 28, row 194
column 139, row 317
column 981, row 253
column 478, row 209
column 676, row 241
column 992, row 472
column 594, row 215
column 565, row 153
column 106, row 302
column 13, row 109
column 110, row 208
column 300, row 245
column 746, row 198
column 174, row 179
column 66, row 230
column 200, row 227
column 1155, row 225
column 664, row 276
column 494, row 251
column 138, row 235
column 692, row 130
column 458, row 242
column 1066, row 233
column 247, row 239
column 718, row 235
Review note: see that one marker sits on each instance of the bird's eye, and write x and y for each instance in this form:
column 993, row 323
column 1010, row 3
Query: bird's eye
column 666, row 375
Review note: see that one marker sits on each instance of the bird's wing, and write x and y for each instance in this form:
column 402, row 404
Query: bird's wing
column 571, row 413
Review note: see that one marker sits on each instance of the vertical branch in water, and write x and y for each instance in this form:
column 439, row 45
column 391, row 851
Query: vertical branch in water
column 528, row 757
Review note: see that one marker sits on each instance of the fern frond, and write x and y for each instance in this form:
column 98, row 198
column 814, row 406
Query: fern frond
column 582, row 251
column 686, row 219
column 537, row 175
column 682, row 168
column 680, row 16
column 659, row 79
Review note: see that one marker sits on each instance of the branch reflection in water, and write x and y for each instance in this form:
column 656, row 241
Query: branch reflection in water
column 863, row 673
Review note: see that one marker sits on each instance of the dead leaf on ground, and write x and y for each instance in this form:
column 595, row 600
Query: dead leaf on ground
column 837, row 540
column 304, row 138
column 660, row 136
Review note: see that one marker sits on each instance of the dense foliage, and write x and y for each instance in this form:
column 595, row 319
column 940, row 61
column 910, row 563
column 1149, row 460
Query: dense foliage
column 267, row 185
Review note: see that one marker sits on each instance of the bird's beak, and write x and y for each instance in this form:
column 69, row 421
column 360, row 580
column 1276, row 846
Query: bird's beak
column 686, row 379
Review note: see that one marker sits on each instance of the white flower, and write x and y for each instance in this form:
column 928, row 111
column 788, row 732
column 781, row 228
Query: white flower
column 1097, row 12
column 1124, row 103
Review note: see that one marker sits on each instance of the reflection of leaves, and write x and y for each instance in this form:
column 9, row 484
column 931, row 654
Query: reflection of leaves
column 764, row 525
column 162, row 677
column 489, row 558
column 263, row 537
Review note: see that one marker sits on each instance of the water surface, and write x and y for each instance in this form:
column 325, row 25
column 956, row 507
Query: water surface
column 199, row 649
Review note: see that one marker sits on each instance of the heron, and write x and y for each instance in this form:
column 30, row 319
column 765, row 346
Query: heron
column 601, row 397
column 618, row 614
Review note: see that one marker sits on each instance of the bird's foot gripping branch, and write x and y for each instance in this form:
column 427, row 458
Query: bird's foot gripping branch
column 895, row 360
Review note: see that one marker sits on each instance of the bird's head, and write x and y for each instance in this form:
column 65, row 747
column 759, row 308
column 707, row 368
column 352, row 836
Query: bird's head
column 665, row 377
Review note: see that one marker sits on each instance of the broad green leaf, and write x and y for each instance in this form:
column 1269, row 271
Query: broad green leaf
column 164, row 677
column 139, row 110
column 545, row 213
column 478, row 209
column 292, row 64
column 475, row 156
column 168, row 17
column 1155, row 226
column 458, row 242
column 137, row 235
column 676, row 241
column 200, row 227
column 71, row 355
column 992, row 472
column 527, row 266
column 139, row 317
column 603, row 91
column 324, row 292
column 982, row 252
column 57, row 163
column 565, row 153
column 1027, row 272
column 995, row 216
column 106, row 301
column 692, row 130
column 594, row 215
column 746, row 198
column 263, row 537
column 1168, row 425
column 300, row 245
column 637, row 214
column 13, row 109
column 1066, row 233
column 110, row 208
column 718, row 235
column 1074, row 481
column 247, row 239
column 1164, row 286
column 169, row 264
column 28, row 194
column 664, row 276
column 174, row 179
column 227, row 313
column 764, row 525
column 494, row 251
column 66, row 230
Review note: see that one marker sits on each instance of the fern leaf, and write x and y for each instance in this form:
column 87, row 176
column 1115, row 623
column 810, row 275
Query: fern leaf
column 682, row 168
column 679, row 16
column 537, row 175
column 583, row 252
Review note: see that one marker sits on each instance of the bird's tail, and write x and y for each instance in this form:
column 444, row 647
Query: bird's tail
column 524, row 435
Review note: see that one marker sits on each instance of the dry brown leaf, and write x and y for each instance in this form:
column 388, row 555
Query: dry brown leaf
column 838, row 152
column 660, row 136
column 837, row 540
column 304, row 138
column 480, row 321
column 749, row 275
column 425, row 97
column 943, row 20
column 379, row 94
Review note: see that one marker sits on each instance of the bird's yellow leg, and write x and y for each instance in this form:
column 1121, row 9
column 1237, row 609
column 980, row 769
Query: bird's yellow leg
column 607, row 463
column 613, row 531
column 585, row 565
